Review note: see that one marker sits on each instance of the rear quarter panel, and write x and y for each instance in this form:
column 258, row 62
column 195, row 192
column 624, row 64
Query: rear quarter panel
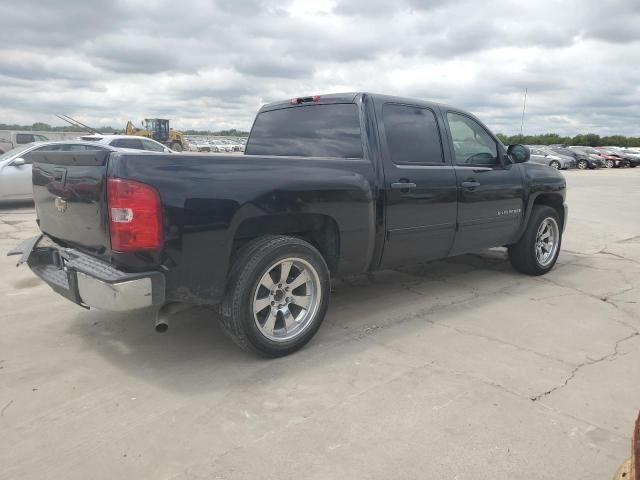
column 206, row 198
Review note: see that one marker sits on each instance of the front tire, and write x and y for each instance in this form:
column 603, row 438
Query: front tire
column 277, row 296
column 537, row 251
column 610, row 164
column 176, row 146
column 555, row 164
column 583, row 164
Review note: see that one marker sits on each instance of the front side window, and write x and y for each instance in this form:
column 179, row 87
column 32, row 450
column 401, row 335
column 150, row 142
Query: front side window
column 412, row 134
column 472, row 145
column 308, row 131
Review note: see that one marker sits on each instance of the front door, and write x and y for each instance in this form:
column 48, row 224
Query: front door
column 419, row 184
column 490, row 189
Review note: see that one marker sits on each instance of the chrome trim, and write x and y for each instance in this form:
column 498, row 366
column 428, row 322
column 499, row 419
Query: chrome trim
column 116, row 297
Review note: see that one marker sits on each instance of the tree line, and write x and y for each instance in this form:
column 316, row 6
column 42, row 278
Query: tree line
column 45, row 127
column 589, row 139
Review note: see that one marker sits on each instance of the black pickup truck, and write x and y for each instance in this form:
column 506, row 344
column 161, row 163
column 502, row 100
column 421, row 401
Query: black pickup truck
column 329, row 186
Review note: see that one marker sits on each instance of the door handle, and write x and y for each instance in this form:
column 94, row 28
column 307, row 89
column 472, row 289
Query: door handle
column 470, row 183
column 403, row 185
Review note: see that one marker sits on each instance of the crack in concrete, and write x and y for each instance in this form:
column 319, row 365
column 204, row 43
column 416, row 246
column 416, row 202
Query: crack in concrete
column 610, row 356
column 5, row 408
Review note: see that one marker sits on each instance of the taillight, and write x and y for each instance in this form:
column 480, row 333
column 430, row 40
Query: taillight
column 135, row 215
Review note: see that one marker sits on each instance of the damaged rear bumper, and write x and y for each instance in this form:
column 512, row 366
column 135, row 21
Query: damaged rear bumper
column 87, row 281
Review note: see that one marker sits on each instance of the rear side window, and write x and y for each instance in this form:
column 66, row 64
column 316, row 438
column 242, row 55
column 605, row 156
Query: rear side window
column 22, row 138
column 412, row 134
column 80, row 148
column 28, row 158
column 133, row 143
column 152, row 146
column 308, row 131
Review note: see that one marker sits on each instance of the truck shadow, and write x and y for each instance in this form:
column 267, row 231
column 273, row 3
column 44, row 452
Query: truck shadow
column 195, row 356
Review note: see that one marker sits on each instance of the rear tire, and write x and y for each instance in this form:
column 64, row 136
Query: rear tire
column 534, row 254
column 555, row 164
column 610, row 164
column 277, row 296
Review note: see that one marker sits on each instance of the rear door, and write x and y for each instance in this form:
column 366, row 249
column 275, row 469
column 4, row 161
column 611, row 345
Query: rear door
column 490, row 190
column 419, row 185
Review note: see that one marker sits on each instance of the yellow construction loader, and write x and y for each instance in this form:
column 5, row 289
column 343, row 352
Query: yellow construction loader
column 159, row 130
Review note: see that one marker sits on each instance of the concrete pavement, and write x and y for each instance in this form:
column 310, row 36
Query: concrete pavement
column 453, row 369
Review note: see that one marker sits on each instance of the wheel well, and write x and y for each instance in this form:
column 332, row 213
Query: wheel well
column 553, row 201
column 319, row 230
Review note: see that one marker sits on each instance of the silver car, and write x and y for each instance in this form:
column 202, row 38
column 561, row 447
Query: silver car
column 553, row 159
column 15, row 167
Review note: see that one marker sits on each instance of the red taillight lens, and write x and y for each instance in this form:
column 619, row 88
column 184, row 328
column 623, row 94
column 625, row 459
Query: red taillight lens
column 135, row 215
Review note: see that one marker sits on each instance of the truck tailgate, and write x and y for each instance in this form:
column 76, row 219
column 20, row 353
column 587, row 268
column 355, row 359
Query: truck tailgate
column 70, row 199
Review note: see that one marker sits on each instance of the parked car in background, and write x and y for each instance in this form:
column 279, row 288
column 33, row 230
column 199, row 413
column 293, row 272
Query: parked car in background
column 550, row 158
column 128, row 141
column 584, row 159
column 10, row 140
column 633, row 158
column 216, row 146
column 612, row 159
column 201, row 145
column 15, row 166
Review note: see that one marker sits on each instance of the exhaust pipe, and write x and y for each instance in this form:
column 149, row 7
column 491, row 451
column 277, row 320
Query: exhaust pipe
column 162, row 317
column 162, row 324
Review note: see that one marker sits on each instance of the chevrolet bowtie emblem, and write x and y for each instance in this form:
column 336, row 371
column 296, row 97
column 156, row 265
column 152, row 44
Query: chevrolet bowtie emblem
column 60, row 204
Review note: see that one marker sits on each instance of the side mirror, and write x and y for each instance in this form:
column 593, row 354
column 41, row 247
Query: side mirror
column 519, row 153
column 18, row 162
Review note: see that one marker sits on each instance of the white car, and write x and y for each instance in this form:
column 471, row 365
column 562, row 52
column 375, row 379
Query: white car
column 15, row 166
column 131, row 142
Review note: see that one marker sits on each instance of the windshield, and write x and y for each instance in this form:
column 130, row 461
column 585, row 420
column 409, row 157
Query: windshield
column 14, row 152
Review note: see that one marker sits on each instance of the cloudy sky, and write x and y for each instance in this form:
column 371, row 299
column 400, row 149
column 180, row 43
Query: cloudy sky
column 210, row 65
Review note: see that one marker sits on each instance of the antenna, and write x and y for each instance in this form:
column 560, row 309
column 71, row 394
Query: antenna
column 76, row 123
column 524, row 106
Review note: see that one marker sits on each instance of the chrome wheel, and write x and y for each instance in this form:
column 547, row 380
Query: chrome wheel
column 286, row 299
column 582, row 165
column 555, row 164
column 547, row 241
column 610, row 164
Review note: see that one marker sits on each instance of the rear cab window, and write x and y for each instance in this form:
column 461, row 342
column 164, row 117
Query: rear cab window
column 22, row 138
column 326, row 130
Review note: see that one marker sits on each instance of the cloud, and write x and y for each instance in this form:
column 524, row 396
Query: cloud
column 212, row 64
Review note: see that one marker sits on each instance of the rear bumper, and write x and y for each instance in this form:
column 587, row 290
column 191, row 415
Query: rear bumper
column 87, row 281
